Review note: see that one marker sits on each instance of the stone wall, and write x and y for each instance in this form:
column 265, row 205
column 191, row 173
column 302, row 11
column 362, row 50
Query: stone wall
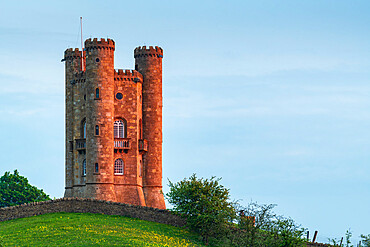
column 77, row 205
column 318, row 245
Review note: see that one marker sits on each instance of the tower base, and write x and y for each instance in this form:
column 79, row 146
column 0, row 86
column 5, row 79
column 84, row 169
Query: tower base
column 68, row 192
column 132, row 194
column 100, row 192
column 154, row 197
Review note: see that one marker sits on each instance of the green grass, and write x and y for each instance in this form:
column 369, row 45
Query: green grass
column 75, row 229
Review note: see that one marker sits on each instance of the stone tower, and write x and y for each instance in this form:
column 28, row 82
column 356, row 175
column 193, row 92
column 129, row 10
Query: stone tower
column 114, row 125
column 149, row 63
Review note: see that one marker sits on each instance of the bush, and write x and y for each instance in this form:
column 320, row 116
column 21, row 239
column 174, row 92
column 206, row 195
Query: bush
column 15, row 189
column 205, row 203
column 207, row 207
column 259, row 226
column 365, row 240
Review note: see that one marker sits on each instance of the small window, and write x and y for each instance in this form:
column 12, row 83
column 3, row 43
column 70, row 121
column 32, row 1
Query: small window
column 136, row 67
column 96, row 167
column 97, row 60
column 141, row 129
column 140, row 169
column 85, row 97
column 70, row 146
column 97, row 93
column 97, row 131
column 118, row 167
column 119, row 96
column 83, row 128
column 84, row 168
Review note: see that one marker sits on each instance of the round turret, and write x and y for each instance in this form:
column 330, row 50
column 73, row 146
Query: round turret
column 72, row 59
column 99, row 119
column 148, row 61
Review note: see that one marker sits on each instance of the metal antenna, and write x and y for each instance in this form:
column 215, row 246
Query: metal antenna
column 82, row 48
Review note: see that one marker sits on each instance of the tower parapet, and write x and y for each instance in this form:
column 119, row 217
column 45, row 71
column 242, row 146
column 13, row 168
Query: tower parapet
column 72, row 53
column 152, row 51
column 99, row 44
column 131, row 75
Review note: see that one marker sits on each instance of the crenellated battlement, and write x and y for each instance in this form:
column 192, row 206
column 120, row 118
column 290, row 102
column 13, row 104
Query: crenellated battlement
column 143, row 51
column 99, row 44
column 72, row 53
column 127, row 75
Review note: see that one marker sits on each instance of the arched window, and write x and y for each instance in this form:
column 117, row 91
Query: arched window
column 119, row 129
column 97, row 93
column 83, row 128
column 84, row 167
column 118, row 167
column 97, row 131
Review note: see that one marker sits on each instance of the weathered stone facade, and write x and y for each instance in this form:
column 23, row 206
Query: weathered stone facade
column 99, row 99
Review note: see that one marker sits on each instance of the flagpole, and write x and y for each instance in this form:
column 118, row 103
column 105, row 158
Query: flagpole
column 82, row 48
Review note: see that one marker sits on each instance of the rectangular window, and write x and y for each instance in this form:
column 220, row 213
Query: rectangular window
column 96, row 167
column 97, row 131
column 118, row 167
column 70, row 146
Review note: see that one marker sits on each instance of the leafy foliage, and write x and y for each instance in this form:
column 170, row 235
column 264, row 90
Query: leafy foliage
column 348, row 238
column 15, row 189
column 365, row 239
column 258, row 225
column 205, row 203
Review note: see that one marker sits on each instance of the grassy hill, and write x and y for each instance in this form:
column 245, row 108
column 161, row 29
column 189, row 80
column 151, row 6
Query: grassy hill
column 76, row 229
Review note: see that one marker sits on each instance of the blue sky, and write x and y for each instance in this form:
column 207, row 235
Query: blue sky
column 272, row 96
